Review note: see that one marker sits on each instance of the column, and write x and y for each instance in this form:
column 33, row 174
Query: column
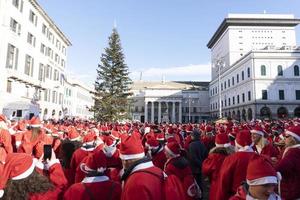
column 159, row 112
column 152, row 112
column 180, row 112
column 173, row 112
column 146, row 111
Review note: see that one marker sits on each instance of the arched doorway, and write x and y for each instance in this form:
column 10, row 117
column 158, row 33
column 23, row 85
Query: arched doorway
column 233, row 115
column 265, row 112
column 297, row 112
column 229, row 114
column 244, row 114
column 249, row 114
column 238, row 115
column 282, row 112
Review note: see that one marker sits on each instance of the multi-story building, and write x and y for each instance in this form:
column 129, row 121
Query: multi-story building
column 33, row 57
column 255, row 67
column 175, row 101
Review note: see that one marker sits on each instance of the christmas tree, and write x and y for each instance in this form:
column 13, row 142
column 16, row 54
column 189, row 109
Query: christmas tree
column 112, row 86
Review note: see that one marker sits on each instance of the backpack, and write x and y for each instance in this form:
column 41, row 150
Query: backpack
column 172, row 187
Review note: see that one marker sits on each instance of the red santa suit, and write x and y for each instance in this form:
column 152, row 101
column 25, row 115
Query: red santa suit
column 288, row 166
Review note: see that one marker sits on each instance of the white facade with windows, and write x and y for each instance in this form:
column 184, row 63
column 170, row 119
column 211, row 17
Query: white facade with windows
column 259, row 70
column 175, row 101
column 33, row 57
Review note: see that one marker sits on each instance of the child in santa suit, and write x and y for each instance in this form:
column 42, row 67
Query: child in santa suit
column 96, row 185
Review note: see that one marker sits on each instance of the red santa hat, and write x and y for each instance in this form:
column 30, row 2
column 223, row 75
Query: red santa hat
column 115, row 134
column 17, row 166
column 243, row 138
column 73, row 135
column 173, row 149
column 208, row 128
column 258, row 130
column 294, row 131
column 160, row 136
column 260, row 171
column 35, row 122
column 94, row 162
column 222, row 140
column 152, row 143
column 89, row 138
column 131, row 147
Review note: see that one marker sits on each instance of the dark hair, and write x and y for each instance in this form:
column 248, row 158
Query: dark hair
column 66, row 151
column 21, row 189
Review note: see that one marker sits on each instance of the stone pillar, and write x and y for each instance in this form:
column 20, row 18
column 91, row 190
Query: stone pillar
column 173, row 112
column 146, row 111
column 180, row 112
column 152, row 112
column 159, row 112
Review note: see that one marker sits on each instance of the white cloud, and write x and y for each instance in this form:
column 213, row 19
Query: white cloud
column 201, row 72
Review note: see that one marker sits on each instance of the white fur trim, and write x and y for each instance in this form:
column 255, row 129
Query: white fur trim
column 263, row 180
column 297, row 137
column 132, row 156
column 39, row 164
column 75, row 139
column 223, row 145
column 52, row 162
column 90, row 149
column 142, row 166
column 240, row 148
column 171, row 152
column 36, row 125
column 257, row 132
column 1, row 193
column 147, row 130
column 26, row 173
column 95, row 179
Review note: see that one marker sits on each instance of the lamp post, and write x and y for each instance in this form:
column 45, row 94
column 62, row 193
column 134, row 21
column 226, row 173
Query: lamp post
column 220, row 64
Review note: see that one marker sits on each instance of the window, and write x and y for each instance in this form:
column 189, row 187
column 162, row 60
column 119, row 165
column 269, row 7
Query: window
column 243, row 76
column 279, row 70
column 49, row 52
column 221, row 86
column 32, row 17
column 64, row 50
column 54, row 100
column 281, row 94
column 48, row 73
column 41, row 73
column 12, row 57
column 28, row 65
column 237, row 78
column 60, row 98
column 233, row 100
column 8, row 86
column 263, row 70
column 297, row 94
column 243, row 97
column 31, row 39
column 228, row 82
column 15, row 26
column 56, row 75
column 43, row 49
column 44, row 29
column 296, row 70
column 249, row 95
column 238, row 99
column 232, row 80
column 18, row 4
column 264, row 94
column 228, row 101
column 225, row 103
column 225, row 85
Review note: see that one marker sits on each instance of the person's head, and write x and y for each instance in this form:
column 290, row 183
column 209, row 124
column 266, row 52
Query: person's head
column 261, row 177
column 19, row 178
column 195, row 135
column 131, row 149
column 292, row 136
column 95, row 164
column 172, row 150
column 257, row 134
column 243, row 139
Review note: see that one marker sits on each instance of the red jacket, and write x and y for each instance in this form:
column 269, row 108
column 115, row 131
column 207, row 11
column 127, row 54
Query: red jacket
column 142, row 185
column 159, row 159
column 57, row 177
column 269, row 150
column 233, row 172
column 289, row 168
column 211, row 167
column 99, row 187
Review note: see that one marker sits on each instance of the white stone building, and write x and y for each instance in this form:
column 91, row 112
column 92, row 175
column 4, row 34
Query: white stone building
column 33, row 57
column 175, row 101
column 259, row 67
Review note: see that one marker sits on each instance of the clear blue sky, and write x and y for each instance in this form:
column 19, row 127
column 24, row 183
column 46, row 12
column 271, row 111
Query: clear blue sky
column 158, row 36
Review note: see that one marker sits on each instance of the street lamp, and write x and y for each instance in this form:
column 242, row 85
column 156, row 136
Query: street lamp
column 220, row 64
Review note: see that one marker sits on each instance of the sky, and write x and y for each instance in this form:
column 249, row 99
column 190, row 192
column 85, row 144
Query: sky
column 159, row 37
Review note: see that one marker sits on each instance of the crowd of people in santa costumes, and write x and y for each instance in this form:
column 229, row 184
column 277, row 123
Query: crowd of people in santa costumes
column 134, row 161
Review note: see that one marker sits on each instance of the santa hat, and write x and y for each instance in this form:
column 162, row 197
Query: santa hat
column 17, row 166
column 160, row 136
column 258, row 130
column 95, row 162
column 260, row 171
column 243, row 138
column 115, row 134
column 35, row 122
column 73, row 135
column 208, row 128
column 152, row 143
column 173, row 149
column 131, row 147
column 222, row 140
column 294, row 131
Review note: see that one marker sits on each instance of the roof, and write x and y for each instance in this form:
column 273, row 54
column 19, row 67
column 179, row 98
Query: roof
column 170, row 85
column 252, row 20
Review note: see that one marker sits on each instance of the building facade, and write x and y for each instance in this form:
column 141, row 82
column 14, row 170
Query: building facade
column 255, row 67
column 33, row 58
column 158, row 102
